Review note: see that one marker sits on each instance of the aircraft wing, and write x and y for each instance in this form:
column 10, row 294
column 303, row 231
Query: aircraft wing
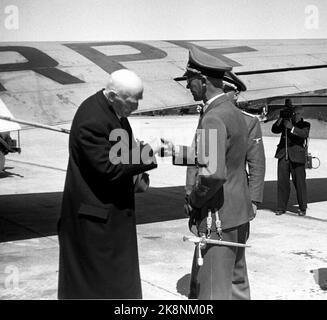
column 46, row 81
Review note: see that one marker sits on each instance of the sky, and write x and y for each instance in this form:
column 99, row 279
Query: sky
column 114, row 20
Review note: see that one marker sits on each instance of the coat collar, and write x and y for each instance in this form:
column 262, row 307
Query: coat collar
column 106, row 106
column 216, row 102
column 207, row 104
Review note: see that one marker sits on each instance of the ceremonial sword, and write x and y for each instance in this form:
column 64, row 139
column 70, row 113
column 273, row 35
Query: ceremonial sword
column 202, row 241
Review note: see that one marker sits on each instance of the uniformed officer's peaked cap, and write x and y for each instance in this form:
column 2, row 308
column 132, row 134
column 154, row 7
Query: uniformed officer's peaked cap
column 200, row 62
column 231, row 78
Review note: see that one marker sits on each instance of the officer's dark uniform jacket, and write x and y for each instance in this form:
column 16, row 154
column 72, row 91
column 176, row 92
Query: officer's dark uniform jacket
column 255, row 158
column 222, row 182
column 295, row 140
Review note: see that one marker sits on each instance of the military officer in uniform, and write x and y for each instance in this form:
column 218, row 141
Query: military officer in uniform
column 255, row 156
column 255, row 159
column 220, row 187
column 256, row 168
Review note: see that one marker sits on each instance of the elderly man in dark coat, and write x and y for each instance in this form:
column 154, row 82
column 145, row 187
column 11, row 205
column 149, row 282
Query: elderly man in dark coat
column 97, row 229
column 221, row 186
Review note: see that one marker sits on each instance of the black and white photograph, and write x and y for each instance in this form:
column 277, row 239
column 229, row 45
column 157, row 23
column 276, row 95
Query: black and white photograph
column 168, row 151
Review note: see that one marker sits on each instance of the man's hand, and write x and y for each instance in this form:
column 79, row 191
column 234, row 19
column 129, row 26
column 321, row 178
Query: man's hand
column 141, row 182
column 288, row 124
column 156, row 145
column 187, row 207
column 191, row 213
column 139, row 142
column 161, row 146
column 254, row 207
column 166, row 148
column 279, row 121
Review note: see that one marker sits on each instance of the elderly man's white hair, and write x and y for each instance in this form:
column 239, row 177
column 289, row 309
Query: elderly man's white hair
column 124, row 81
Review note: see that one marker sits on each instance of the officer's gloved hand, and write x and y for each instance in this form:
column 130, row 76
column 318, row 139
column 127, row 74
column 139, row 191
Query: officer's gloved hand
column 187, row 206
column 193, row 214
column 254, row 207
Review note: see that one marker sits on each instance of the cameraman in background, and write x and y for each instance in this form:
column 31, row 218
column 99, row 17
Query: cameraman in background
column 291, row 156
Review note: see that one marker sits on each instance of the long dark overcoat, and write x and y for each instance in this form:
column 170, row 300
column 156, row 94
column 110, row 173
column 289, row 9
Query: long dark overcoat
column 97, row 229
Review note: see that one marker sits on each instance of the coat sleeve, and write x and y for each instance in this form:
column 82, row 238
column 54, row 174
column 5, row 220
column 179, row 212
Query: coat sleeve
column 304, row 132
column 191, row 171
column 256, row 161
column 112, row 159
column 277, row 128
column 191, row 176
column 211, row 151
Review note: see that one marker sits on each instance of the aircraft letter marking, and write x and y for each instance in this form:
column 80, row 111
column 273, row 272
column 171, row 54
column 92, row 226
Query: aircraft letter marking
column 112, row 63
column 39, row 62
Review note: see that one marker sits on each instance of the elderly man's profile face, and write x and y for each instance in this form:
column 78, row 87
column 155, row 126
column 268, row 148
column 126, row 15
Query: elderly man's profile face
column 124, row 90
column 127, row 103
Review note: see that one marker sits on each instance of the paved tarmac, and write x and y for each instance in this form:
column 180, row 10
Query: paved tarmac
column 288, row 254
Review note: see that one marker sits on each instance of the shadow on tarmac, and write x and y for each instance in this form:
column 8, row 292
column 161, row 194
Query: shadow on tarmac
column 26, row 216
column 320, row 277
column 6, row 174
column 35, row 215
column 183, row 285
column 316, row 193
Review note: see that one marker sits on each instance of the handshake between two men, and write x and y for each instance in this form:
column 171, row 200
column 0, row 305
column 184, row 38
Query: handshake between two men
column 162, row 147
column 181, row 156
